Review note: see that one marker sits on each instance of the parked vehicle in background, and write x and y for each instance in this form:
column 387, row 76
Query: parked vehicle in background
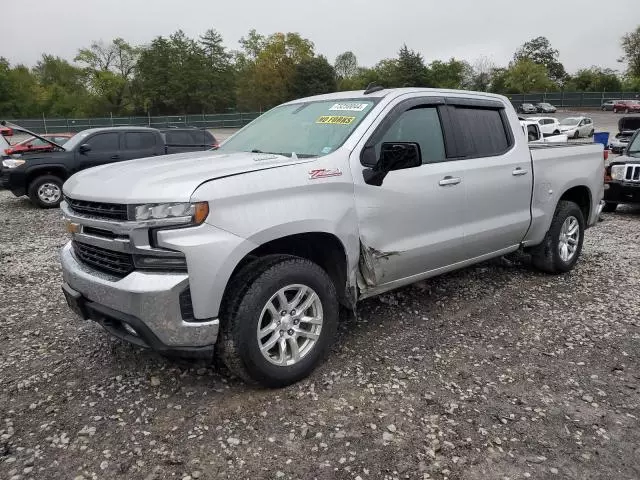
column 545, row 108
column 180, row 140
column 608, row 105
column 535, row 135
column 627, row 126
column 37, row 145
column 576, row 127
column 622, row 176
column 528, row 108
column 626, row 106
column 41, row 175
column 548, row 125
column 4, row 146
column 249, row 250
column 5, row 131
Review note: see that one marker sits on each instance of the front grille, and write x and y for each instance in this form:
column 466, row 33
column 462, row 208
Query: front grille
column 111, row 211
column 115, row 263
column 632, row 173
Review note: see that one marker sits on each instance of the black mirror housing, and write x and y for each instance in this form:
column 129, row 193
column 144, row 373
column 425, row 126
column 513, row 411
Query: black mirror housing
column 84, row 148
column 399, row 155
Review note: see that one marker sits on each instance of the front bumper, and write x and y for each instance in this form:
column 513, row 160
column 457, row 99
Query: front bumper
column 620, row 192
column 146, row 301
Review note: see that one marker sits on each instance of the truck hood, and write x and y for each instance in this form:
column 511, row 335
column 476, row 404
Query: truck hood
column 169, row 178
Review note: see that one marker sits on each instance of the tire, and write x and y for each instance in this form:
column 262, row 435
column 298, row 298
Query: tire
column 609, row 207
column 546, row 256
column 604, row 109
column 626, row 110
column 615, row 110
column 556, row 132
column 576, row 135
column 245, row 310
column 591, row 133
column 46, row 191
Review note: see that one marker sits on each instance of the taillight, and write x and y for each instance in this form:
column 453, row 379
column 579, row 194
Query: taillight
column 215, row 146
column 605, row 154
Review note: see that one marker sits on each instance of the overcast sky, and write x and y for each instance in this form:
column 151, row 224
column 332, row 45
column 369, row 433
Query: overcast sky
column 583, row 31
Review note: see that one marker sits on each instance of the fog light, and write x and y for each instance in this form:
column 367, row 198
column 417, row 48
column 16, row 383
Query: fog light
column 170, row 263
column 130, row 329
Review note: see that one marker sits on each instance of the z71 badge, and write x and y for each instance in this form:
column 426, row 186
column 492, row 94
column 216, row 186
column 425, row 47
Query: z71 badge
column 324, row 173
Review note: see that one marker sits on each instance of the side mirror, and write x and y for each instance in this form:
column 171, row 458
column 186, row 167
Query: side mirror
column 84, row 148
column 393, row 156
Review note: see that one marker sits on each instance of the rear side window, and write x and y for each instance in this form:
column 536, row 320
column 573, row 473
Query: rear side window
column 179, row 137
column 482, row 132
column 104, row 142
column 139, row 140
column 422, row 126
column 201, row 137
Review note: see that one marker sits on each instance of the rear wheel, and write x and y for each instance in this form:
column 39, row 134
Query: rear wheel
column 561, row 247
column 46, row 191
column 615, row 110
column 609, row 207
column 278, row 321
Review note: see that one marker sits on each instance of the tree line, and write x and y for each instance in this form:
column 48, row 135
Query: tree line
column 178, row 74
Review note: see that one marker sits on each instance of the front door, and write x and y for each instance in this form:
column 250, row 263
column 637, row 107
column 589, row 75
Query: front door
column 104, row 148
column 411, row 223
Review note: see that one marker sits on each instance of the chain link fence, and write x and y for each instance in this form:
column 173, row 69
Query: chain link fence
column 572, row 99
column 72, row 125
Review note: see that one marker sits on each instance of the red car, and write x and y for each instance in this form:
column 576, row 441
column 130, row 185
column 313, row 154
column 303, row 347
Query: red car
column 627, row 106
column 34, row 144
column 5, row 131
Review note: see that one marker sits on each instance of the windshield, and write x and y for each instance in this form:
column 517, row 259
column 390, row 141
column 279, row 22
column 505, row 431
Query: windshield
column 634, row 147
column 310, row 129
column 570, row 121
column 74, row 141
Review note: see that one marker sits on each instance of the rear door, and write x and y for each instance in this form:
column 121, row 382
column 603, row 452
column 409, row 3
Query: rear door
column 498, row 177
column 140, row 145
column 105, row 148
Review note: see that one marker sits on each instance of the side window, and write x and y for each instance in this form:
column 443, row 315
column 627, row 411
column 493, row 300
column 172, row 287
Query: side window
column 104, row 142
column 139, row 141
column 200, row 137
column 532, row 133
column 482, row 132
column 422, row 126
column 179, row 137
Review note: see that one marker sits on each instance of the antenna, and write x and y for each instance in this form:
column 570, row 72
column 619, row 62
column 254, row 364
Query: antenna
column 372, row 88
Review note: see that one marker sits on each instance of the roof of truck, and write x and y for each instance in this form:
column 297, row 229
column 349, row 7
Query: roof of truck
column 395, row 92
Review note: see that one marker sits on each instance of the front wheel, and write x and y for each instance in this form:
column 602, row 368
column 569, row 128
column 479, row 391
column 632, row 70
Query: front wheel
column 591, row 133
column 576, row 135
column 46, row 191
column 561, row 247
column 278, row 321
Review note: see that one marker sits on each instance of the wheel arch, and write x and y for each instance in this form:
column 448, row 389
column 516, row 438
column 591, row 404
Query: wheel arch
column 40, row 171
column 580, row 195
column 321, row 247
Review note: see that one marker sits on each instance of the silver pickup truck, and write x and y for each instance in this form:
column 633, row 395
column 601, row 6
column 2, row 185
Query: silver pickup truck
column 250, row 249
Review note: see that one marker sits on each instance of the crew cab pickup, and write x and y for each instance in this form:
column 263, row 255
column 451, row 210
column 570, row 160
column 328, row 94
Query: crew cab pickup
column 41, row 175
column 623, row 176
column 249, row 250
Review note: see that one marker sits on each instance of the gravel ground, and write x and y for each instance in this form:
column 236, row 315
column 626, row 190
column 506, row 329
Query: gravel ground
column 494, row 372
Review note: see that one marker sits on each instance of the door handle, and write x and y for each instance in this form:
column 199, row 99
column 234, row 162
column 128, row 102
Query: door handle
column 449, row 180
column 115, row 157
column 519, row 171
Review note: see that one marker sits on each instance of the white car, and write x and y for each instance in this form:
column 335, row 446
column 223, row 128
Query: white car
column 534, row 134
column 576, row 127
column 548, row 125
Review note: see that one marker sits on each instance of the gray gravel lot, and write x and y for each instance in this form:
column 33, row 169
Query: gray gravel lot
column 493, row 372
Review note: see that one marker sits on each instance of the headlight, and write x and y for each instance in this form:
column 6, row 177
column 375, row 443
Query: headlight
column 194, row 213
column 11, row 163
column 617, row 172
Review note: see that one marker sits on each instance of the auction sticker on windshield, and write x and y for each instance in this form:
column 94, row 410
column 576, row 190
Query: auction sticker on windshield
column 335, row 120
column 349, row 107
